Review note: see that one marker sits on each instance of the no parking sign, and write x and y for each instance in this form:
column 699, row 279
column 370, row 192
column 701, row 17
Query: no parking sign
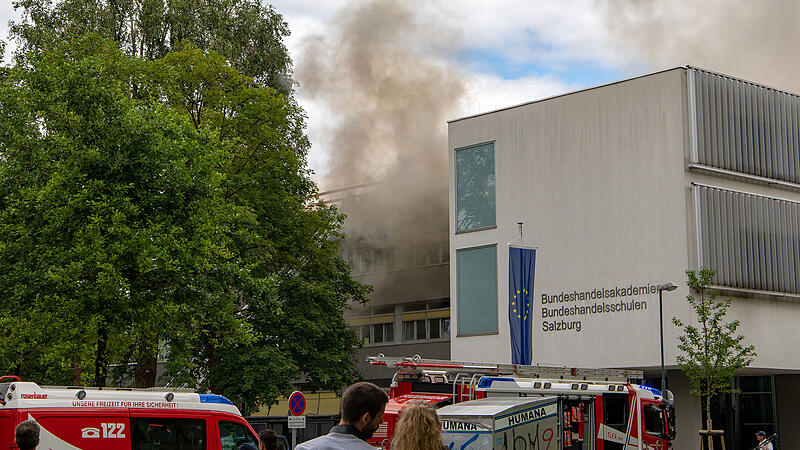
column 297, row 403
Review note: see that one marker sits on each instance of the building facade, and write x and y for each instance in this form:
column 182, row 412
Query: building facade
column 621, row 188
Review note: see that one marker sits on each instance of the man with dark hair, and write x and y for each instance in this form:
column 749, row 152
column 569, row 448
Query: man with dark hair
column 267, row 440
column 27, row 435
column 362, row 412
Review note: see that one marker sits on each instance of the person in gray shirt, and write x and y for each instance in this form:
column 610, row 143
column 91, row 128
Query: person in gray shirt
column 363, row 405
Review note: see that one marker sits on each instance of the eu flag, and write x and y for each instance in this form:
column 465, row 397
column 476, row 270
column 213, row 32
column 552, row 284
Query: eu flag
column 521, row 265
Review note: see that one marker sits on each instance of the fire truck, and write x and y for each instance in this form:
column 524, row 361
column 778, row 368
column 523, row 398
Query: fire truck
column 510, row 406
column 102, row 418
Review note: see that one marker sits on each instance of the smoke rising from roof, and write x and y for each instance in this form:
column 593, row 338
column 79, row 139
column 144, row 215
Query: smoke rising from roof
column 375, row 70
column 751, row 40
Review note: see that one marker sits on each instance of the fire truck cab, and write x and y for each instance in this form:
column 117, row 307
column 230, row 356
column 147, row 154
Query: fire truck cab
column 586, row 409
column 100, row 418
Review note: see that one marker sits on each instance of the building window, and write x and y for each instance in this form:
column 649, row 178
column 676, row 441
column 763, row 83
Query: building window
column 477, row 290
column 426, row 321
column 475, row 186
column 374, row 325
column 756, row 405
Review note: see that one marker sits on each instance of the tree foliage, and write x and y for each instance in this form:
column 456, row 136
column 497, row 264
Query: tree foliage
column 157, row 210
column 248, row 34
column 712, row 351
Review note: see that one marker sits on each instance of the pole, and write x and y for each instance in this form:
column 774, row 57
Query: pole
column 294, row 437
column 661, row 334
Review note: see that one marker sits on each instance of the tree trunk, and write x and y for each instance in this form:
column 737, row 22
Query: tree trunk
column 147, row 363
column 77, row 371
column 100, row 355
column 709, row 425
column 211, row 359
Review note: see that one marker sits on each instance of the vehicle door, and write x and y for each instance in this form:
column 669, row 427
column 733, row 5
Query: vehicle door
column 233, row 431
column 170, row 430
column 655, row 433
column 82, row 428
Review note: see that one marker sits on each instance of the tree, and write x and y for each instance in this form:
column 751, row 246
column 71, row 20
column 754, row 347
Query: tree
column 248, row 34
column 163, row 208
column 712, row 352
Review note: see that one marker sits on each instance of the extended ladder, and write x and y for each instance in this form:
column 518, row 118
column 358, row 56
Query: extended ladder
column 415, row 365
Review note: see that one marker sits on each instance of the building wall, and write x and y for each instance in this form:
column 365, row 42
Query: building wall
column 688, row 408
column 595, row 177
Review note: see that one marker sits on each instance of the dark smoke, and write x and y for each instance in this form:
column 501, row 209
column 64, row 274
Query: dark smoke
column 376, row 70
column 751, row 40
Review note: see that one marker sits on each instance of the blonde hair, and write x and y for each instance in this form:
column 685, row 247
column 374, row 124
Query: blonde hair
column 419, row 428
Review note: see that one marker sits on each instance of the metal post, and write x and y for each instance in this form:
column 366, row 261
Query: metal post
column 661, row 288
column 294, row 437
column 661, row 332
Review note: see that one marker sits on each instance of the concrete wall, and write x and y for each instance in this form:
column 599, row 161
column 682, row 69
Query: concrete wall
column 688, row 410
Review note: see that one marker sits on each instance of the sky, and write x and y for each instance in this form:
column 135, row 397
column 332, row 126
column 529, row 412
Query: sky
column 503, row 53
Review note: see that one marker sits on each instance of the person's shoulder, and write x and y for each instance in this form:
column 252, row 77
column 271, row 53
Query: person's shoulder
column 334, row 441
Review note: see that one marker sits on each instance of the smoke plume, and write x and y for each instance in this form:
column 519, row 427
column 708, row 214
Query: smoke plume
column 746, row 39
column 376, row 70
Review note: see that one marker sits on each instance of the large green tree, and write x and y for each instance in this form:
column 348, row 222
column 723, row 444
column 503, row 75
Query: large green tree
column 161, row 208
column 249, row 34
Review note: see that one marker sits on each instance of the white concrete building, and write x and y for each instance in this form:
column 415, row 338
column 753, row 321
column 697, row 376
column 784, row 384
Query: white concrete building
column 621, row 188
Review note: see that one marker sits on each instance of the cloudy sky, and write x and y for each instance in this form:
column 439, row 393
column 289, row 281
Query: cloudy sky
column 465, row 57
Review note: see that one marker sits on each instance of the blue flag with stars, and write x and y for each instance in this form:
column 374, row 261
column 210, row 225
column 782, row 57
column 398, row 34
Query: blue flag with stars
column 521, row 265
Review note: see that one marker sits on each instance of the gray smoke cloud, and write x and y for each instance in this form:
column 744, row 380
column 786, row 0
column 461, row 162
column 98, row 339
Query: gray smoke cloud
column 751, row 40
column 376, row 69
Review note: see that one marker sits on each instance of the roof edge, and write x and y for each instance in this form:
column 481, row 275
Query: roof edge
column 624, row 80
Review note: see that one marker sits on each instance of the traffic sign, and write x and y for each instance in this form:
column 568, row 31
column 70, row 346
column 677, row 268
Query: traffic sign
column 297, row 403
column 297, row 422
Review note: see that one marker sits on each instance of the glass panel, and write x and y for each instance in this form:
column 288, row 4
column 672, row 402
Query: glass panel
column 653, row 420
column 408, row 331
column 232, row 435
column 755, row 384
column 377, row 333
column 420, row 306
column 440, row 304
column 435, row 328
column 421, row 335
column 756, row 408
column 389, row 332
column 615, row 411
column 477, row 290
column 475, row 186
column 365, row 334
column 167, row 433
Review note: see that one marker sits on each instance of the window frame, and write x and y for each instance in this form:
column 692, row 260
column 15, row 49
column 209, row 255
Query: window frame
column 496, row 331
column 493, row 143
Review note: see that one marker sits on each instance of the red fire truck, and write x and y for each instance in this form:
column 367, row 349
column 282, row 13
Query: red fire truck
column 100, row 418
column 597, row 409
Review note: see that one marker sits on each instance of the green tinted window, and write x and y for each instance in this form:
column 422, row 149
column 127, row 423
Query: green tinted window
column 475, row 183
column 477, row 290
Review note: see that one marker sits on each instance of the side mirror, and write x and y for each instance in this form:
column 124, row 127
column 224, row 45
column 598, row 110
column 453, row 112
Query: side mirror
column 669, row 397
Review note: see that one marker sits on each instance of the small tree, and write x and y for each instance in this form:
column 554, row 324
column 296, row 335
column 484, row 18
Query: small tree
column 713, row 352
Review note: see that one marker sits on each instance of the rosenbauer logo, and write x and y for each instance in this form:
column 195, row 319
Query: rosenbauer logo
column 33, row 396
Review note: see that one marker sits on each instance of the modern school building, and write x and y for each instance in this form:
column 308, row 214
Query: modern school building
column 622, row 188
